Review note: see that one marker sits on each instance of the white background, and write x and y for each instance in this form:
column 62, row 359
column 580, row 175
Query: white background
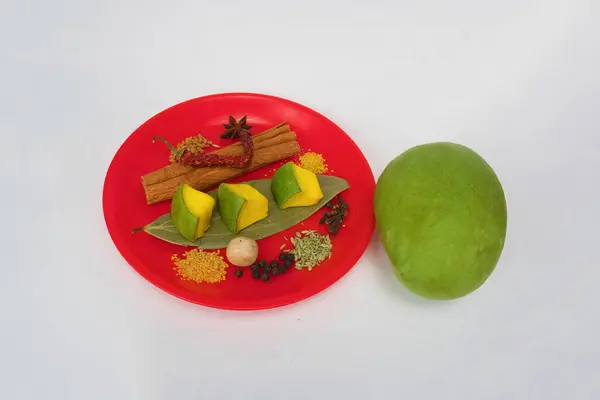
column 516, row 80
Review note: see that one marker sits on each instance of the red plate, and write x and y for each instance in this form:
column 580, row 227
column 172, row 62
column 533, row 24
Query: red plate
column 125, row 206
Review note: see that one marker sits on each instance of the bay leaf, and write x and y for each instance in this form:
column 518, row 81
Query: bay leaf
column 218, row 236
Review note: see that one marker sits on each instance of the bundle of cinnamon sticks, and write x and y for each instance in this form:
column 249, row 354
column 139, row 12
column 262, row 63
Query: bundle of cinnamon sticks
column 271, row 145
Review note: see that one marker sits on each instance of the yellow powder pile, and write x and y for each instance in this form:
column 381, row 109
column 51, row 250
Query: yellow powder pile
column 200, row 266
column 195, row 144
column 313, row 162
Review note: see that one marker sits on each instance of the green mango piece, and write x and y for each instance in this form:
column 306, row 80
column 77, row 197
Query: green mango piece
column 241, row 205
column 441, row 216
column 191, row 211
column 294, row 186
column 284, row 184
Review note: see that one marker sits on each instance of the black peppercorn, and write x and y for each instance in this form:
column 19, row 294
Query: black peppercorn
column 256, row 274
column 254, row 267
column 274, row 264
column 266, row 276
column 238, row 273
column 275, row 271
column 282, row 256
column 262, row 263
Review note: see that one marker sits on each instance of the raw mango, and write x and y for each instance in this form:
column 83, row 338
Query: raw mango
column 191, row 211
column 293, row 186
column 441, row 215
column 241, row 205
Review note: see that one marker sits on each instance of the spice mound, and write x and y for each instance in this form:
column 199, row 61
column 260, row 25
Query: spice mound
column 195, row 144
column 313, row 162
column 311, row 249
column 200, row 266
column 334, row 219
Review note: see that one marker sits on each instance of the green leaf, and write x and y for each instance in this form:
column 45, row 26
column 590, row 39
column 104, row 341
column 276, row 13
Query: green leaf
column 218, row 236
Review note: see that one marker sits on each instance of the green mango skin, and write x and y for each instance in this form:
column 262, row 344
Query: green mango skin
column 441, row 215
column 284, row 185
column 185, row 222
column 230, row 206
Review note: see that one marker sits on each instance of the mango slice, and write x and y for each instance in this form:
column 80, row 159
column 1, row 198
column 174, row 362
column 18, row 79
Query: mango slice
column 191, row 211
column 294, row 186
column 241, row 205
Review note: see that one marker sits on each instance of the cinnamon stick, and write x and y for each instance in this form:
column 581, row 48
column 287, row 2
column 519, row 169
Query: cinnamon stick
column 204, row 178
column 171, row 171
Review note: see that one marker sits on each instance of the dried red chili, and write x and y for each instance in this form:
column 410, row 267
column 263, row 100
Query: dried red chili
column 214, row 160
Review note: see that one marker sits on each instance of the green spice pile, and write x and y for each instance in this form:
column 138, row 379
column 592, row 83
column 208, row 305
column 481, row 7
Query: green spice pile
column 310, row 249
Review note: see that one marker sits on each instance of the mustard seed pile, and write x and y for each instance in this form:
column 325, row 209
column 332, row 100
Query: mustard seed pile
column 200, row 266
column 313, row 162
column 194, row 144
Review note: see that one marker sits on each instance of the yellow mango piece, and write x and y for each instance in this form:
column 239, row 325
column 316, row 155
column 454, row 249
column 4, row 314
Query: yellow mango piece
column 310, row 190
column 201, row 206
column 241, row 205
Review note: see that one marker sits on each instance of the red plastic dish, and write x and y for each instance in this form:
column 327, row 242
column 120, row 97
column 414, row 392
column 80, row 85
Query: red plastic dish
column 125, row 206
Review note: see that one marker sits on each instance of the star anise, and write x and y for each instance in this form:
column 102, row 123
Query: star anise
column 233, row 128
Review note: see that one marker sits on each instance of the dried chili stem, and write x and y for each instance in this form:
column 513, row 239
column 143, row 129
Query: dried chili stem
column 178, row 153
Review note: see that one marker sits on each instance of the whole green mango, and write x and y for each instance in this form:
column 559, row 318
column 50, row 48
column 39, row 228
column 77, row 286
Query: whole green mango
column 441, row 215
